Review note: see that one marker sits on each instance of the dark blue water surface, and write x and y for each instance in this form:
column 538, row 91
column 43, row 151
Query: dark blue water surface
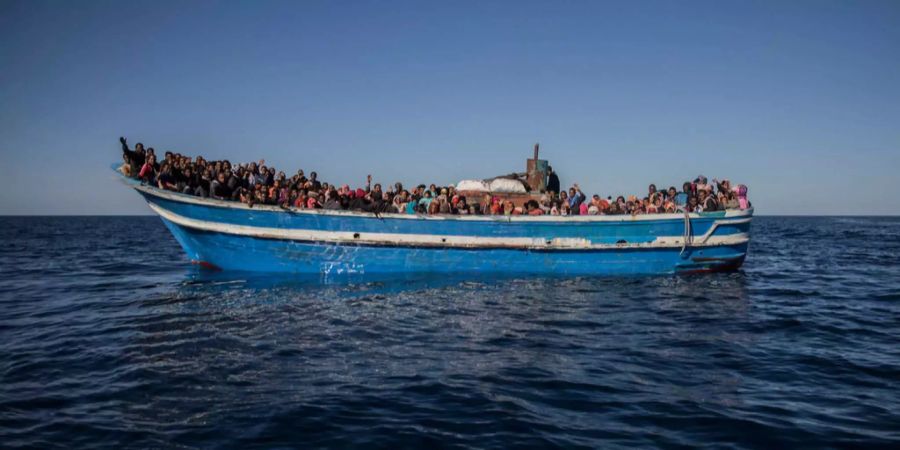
column 109, row 338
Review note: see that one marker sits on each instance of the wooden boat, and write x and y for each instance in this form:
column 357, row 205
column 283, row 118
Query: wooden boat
column 234, row 236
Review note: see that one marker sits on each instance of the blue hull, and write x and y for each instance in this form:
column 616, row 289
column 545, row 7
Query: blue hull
column 232, row 236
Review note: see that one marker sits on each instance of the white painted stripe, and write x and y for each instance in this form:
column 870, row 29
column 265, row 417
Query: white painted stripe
column 431, row 240
column 209, row 202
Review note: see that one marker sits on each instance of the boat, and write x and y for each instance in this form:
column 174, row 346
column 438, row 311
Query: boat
column 234, row 236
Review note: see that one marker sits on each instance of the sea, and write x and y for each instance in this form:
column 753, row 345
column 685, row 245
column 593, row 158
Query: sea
column 109, row 338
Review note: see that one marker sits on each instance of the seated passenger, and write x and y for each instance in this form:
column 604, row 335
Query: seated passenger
column 127, row 168
column 533, row 209
column 148, row 170
column 165, row 179
column 731, row 201
column 461, row 206
column 693, row 205
column 219, row 187
column 707, row 201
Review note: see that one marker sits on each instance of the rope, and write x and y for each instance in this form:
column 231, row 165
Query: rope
column 688, row 238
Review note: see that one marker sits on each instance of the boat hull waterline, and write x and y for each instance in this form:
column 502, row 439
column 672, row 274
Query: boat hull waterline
column 234, row 236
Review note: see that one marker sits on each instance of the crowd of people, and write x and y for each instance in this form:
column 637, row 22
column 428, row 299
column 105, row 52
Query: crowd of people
column 256, row 183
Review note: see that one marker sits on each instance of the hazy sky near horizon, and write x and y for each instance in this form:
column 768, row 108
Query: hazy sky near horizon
column 800, row 100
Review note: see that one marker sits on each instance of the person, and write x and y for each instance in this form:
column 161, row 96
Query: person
column 602, row 204
column 246, row 196
column 700, row 182
column 617, row 207
column 731, row 201
column 314, row 182
column 486, row 202
column 576, row 198
column 533, row 209
column 220, row 189
column 496, row 208
column 426, row 200
column 332, row 200
column 165, row 179
column 259, row 178
column 255, row 182
column 462, row 207
column 203, row 185
column 508, row 208
column 552, row 181
column 412, row 205
column 312, row 202
column 189, row 181
column 445, row 200
column 361, row 201
column 692, row 205
column 148, row 170
column 743, row 203
column 377, row 193
column 127, row 167
column 136, row 156
column 708, row 200
column 670, row 207
column 681, row 198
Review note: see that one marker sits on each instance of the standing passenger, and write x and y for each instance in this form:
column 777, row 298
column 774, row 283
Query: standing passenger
column 552, row 181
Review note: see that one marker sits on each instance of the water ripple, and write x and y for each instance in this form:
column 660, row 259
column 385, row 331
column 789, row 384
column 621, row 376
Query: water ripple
column 107, row 341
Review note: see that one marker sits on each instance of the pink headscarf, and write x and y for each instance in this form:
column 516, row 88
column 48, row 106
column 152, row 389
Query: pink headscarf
column 742, row 196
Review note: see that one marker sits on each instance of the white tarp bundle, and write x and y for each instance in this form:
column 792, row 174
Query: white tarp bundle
column 504, row 185
column 507, row 185
column 473, row 185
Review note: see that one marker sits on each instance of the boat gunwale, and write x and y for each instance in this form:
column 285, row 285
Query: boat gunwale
column 375, row 239
column 211, row 202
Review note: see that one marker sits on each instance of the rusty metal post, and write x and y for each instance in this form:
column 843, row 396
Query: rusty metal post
column 536, row 171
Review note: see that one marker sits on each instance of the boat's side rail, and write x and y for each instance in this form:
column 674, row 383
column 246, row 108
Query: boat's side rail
column 214, row 203
column 433, row 240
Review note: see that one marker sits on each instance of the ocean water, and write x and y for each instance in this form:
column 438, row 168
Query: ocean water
column 110, row 339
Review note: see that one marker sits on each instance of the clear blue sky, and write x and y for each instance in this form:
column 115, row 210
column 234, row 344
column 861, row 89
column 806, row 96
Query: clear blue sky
column 800, row 100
